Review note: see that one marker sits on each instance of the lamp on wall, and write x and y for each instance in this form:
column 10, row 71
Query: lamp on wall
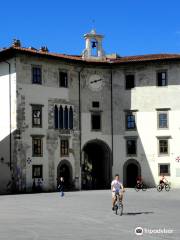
column 2, row 159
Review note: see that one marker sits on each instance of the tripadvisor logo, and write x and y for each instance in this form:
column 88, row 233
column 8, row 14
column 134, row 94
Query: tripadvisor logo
column 138, row 231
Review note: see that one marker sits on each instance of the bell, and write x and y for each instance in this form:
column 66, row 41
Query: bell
column 93, row 44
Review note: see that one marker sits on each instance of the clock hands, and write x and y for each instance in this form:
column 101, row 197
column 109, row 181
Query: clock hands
column 94, row 81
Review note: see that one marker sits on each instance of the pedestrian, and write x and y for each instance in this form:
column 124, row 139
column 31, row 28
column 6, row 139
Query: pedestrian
column 39, row 185
column 61, row 186
column 34, row 186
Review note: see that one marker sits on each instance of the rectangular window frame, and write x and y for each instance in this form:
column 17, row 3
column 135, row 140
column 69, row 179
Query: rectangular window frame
column 65, row 85
column 136, row 142
column 36, row 81
column 36, row 107
column 166, row 78
column 130, row 113
column 168, row 150
column 64, row 147
column 126, row 80
column 163, row 173
column 96, row 104
column 33, row 171
column 40, row 143
column 96, row 114
column 159, row 112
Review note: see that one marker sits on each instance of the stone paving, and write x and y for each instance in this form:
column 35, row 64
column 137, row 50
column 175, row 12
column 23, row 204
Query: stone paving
column 87, row 215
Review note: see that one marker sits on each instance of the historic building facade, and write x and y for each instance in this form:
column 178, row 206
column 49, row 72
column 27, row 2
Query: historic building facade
column 87, row 117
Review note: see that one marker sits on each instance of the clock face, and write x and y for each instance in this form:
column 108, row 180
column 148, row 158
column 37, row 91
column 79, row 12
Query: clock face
column 96, row 82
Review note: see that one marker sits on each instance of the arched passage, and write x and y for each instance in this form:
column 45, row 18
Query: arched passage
column 131, row 171
column 96, row 165
column 64, row 170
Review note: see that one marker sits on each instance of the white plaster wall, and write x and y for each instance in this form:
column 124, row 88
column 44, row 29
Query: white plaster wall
column 146, row 97
column 6, row 87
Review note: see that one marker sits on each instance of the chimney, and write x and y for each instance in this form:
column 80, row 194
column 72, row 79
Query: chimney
column 44, row 49
column 16, row 43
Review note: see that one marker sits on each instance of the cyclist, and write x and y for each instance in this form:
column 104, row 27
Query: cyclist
column 139, row 181
column 163, row 181
column 116, row 187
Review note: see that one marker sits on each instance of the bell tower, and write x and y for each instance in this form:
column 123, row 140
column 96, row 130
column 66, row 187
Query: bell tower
column 93, row 50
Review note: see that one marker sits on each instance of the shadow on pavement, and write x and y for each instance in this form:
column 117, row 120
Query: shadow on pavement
column 136, row 213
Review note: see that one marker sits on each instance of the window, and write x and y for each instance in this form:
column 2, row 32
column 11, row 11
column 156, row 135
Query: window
column 70, row 118
column 131, row 146
column 164, row 169
column 162, row 79
column 36, row 75
column 36, row 116
column 61, row 117
column 94, row 47
column 130, row 81
column 130, row 121
column 95, row 104
column 56, row 117
column 64, row 148
column 63, row 79
column 37, row 144
column 177, row 172
column 66, row 117
column 162, row 119
column 163, row 146
column 37, row 171
column 96, row 121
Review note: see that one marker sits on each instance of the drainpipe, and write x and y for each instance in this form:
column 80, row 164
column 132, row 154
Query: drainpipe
column 80, row 127
column 10, row 126
column 112, row 124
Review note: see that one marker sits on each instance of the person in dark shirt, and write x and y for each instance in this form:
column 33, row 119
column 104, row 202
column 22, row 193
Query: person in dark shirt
column 61, row 186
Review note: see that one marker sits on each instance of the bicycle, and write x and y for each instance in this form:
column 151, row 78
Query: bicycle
column 162, row 186
column 140, row 186
column 118, row 207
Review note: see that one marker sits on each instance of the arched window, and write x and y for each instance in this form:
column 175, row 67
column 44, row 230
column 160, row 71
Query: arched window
column 71, row 118
column 56, row 116
column 61, row 118
column 66, row 117
column 94, row 47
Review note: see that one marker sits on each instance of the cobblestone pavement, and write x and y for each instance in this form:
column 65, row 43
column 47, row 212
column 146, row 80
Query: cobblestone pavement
column 87, row 215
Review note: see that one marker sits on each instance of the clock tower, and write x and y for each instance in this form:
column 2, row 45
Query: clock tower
column 93, row 50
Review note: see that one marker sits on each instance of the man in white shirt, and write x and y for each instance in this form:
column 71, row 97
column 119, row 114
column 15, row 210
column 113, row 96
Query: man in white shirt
column 116, row 187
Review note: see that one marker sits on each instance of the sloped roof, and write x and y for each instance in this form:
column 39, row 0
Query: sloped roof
column 11, row 51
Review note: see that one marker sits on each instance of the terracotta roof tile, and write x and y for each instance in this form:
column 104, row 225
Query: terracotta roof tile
column 148, row 57
column 118, row 60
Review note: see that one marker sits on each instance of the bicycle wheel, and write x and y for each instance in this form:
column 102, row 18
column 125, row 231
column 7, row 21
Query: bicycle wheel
column 120, row 209
column 136, row 188
column 144, row 187
column 116, row 209
column 167, row 187
column 159, row 188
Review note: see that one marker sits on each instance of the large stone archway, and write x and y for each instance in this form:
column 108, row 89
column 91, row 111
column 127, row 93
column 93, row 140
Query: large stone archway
column 64, row 169
column 96, row 165
column 131, row 171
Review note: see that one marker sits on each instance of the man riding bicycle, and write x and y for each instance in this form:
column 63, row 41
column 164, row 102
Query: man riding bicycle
column 116, row 187
column 163, row 181
column 139, row 180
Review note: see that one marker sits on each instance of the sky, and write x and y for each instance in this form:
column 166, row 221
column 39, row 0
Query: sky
column 130, row 27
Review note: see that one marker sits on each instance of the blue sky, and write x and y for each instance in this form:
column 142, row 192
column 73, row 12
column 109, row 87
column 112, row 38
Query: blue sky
column 131, row 27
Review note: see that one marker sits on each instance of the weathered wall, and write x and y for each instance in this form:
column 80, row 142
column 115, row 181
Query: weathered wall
column 146, row 97
column 48, row 94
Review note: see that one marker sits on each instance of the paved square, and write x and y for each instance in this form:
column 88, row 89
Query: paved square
column 87, row 215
